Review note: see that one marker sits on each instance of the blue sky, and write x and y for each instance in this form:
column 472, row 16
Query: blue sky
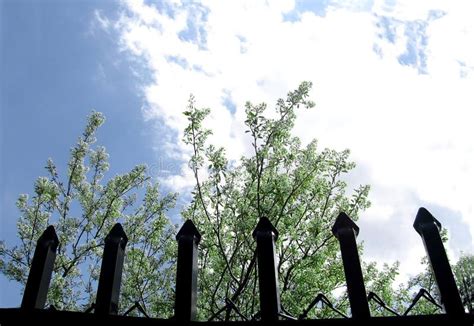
column 393, row 82
column 56, row 68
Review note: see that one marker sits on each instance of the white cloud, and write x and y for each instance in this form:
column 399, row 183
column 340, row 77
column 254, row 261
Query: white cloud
column 406, row 119
column 101, row 20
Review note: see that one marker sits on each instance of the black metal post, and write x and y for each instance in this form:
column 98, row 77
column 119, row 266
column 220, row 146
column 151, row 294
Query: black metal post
column 188, row 239
column 346, row 231
column 428, row 228
column 265, row 234
column 41, row 269
column 111, row 272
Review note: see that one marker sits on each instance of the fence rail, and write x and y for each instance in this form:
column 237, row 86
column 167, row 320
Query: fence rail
column 265, row 234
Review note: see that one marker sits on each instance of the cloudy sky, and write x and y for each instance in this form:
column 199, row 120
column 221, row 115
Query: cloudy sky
column 393, row 82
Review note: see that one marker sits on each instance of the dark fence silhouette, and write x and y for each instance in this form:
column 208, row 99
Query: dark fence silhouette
column 344, row 229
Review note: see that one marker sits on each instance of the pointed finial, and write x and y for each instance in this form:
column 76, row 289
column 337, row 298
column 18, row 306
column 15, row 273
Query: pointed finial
column 343, row 222
column 189, row 229
column 424, row 217
column 49, row 236
column 264, row 225
column 117, row 232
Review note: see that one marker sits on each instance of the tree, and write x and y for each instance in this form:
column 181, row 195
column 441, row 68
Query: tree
column 299, row 188
column 407, row 292
column 464, row 273
column 83, row 209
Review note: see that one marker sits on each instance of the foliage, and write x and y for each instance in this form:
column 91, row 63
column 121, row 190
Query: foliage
column 83, row 208
column 382, row 285
column 407, row 292
column 464, row 273
column 299, row 188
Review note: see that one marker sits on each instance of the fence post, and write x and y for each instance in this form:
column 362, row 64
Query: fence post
column 41, row 269
column 188, row 239
column 111, row 272
column 428, row 228
column 265, row 234
column 346, row 231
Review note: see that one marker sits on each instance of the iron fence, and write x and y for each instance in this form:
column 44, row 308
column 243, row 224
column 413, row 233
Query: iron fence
column 106, row 307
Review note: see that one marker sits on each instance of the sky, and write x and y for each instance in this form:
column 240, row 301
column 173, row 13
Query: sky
column 393, row 82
